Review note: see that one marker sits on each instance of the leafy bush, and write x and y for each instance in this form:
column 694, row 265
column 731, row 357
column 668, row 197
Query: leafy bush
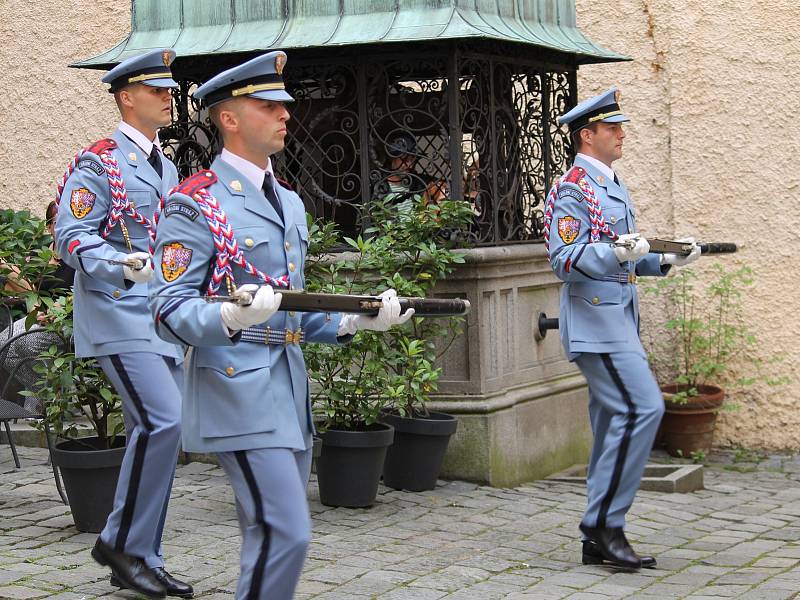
column 377, row 370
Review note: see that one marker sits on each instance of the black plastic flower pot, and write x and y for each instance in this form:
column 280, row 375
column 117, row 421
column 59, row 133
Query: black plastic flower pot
column 349, row 468
column 90, row 478
column 414, row 460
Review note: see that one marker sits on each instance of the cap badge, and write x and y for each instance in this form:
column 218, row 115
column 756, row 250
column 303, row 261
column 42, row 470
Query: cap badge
column 280, row 62
column 166, row 56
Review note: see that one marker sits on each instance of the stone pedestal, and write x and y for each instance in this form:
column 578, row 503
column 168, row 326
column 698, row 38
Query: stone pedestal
column 522, row 406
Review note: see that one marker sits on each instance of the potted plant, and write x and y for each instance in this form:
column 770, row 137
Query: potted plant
column 351, row 380
column 700, row 352
column 80, row 400
column 412, row 253
column 382, row 376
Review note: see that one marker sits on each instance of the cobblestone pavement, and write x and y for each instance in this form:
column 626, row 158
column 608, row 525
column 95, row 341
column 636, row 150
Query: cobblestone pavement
column 737, row 539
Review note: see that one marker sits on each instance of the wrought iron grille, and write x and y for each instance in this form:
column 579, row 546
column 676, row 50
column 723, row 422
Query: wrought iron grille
column 475, row 126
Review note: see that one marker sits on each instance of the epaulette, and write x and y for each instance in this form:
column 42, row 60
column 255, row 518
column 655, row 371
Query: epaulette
column 285, row 184
column 101, row 146
column 200, row 180
column 574, row 175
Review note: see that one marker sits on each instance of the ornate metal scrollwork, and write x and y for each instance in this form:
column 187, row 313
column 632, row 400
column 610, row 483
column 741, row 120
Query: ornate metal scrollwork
column 410, row 128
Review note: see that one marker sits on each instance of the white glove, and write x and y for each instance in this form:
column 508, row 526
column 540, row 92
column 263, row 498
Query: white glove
column 388, row 316
column 142, row 275
column 679, row 260
column 265, row 304
column 640, row 247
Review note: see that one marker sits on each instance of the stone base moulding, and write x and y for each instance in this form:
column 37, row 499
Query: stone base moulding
column 657, row 478
column 521, row 404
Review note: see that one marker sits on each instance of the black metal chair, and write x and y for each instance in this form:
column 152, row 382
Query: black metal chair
column 6, row 322
column 19, row 357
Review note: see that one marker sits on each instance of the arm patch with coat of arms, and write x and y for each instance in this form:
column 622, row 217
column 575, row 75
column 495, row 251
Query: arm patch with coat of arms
column 568, row 229
column 175, row 259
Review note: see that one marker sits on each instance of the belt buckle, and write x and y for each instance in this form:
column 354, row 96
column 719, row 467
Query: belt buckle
column 631, row 277
column 292, row 337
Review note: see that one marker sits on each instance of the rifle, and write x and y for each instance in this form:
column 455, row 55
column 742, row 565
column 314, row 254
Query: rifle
column 682, row 248
column 301, row 301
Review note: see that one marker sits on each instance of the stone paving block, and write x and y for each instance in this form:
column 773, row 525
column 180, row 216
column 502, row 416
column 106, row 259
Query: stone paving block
column 21, row 593
column 411, row 594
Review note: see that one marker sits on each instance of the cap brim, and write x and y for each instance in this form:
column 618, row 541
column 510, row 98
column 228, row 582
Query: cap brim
column 616, row 119
column 274, row 95
column 161, row 83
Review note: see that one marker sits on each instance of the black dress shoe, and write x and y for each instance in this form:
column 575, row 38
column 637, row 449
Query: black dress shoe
column 131, row 571
column 592, row 556
column 613, row 546
column 173, row 586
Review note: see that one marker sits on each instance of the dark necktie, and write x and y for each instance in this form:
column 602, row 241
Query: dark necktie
column 269, row 192
column 155, row 161
column 616, row 179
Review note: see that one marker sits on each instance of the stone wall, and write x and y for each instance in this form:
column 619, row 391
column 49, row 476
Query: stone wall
column 50, row 111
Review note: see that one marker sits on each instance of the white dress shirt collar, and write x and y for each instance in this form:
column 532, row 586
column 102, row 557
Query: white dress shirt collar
column 602, row 167
column 251, row 171
column 138, row 138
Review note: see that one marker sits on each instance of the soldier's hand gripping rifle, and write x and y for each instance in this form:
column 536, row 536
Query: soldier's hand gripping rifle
column 301, row 301
column 545, row 323
column 680, row 248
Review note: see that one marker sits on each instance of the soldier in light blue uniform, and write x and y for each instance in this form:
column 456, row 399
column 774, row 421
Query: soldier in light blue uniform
column 588, row 209
column 106, row 205
column 247, row 391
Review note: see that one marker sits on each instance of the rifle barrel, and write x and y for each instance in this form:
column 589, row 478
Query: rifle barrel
column 299, row 301
column 718, row 248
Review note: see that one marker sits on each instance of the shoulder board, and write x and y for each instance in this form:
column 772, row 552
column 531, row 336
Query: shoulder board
column 200, row 180
column 285, row 184
column 101, row 146
column 574, row 175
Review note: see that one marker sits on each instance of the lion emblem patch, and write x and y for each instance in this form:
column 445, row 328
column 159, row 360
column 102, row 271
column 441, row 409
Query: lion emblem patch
column 175, row 259
column 81, row 202
column 568, row 228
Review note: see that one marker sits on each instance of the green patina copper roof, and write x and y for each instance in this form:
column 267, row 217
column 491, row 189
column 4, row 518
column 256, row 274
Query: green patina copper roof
column 205, row 27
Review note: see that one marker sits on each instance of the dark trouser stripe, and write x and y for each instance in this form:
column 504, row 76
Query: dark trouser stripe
column 133, row 491
column 138, row 458
column 261, row 563
column 131, row 390
column 622, row 454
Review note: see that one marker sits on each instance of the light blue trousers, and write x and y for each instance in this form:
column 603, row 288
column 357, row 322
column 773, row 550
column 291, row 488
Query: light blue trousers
column 150, row 386
column 625, row 409
column 270, row 489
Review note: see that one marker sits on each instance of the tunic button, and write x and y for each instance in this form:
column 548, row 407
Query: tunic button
column 292, row 267
column 287, row 245
column 117, row 294
column 230, row 371
column 249, row 242
column 613, row 220
column 595, row 300
column 291, row 313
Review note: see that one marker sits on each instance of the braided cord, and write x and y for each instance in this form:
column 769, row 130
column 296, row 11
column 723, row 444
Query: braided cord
column 598, row 224
column 121, row 206
column 225, row 244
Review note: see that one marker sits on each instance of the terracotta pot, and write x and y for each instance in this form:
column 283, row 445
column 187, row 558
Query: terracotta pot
column 689, row 427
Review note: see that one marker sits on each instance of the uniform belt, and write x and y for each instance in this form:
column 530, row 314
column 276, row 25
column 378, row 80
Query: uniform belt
column 620, row 277
column 278, row 337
